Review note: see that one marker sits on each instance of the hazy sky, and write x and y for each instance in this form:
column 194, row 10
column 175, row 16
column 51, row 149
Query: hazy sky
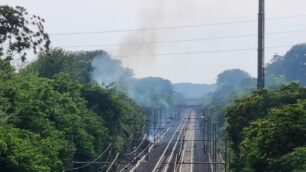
column 170, row 53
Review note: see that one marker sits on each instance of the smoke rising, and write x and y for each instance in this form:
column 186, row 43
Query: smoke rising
column 151, row 16
column 138, row 48
column 147, row 92
column 108, row 71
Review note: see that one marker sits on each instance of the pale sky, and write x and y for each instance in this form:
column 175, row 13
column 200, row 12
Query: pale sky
column 189, row 61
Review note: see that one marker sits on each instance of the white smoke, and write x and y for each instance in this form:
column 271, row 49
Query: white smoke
column 108, row 71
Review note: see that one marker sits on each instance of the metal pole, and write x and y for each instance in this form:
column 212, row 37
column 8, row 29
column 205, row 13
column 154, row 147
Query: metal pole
column 159, row 117
column 225, row 156
column 155, row 123
column 261, row 45
column 205, row 135
column 214, row 147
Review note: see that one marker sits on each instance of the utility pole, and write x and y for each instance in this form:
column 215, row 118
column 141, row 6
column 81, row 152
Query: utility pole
column 159, row 117
column 214, row 142
column 261, row 45
column 155, row 115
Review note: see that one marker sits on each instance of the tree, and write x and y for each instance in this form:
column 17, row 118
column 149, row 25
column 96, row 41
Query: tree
column 123, row 117
column 268, row 139
column 292, row 65
column 294, row 161
column 231, row 84
column 274, row 81
column 233, row 76
column 21, row 150
column 20, row 32
column 151, row 91
column 254, row 107
column 234, row 81
column 6, row 70
column 55, row 110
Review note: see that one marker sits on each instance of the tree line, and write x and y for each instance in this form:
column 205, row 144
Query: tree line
column 264, row 129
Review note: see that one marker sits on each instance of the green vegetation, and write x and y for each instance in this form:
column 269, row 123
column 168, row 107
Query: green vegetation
column 288, row 68
column 230, row 85
column 77, row 65
column 70, row 106
column 51, row 112
column 56, row 111
column 122, row 115
column 21, row 150
column 98, row 67
column 69, row 118
column 267, row 127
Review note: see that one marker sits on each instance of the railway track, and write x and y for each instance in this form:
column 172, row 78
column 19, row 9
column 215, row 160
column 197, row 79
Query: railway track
column 162, row 152
column 188, row 147
column 168, row 159
column 181, row 149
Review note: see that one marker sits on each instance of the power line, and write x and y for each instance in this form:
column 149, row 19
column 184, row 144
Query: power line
column 144, row 137
column 182, row 40
column 146, row 148
column 171, row 27
column 113, row 162
column 283, row 32
column 107, row 160
column 204, row 52
column 131, row 137
column 91, row 162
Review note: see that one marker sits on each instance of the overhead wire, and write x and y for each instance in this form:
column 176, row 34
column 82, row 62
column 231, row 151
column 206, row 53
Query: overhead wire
column 104, row 165
column 98, row 157
column 143, row 139
column 131, row 137
column 148, row 146
column 202, row 52
column 111, row 165
column 172, row 27
column 183, row 40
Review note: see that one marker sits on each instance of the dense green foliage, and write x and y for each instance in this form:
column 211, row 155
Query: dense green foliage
column 77, row 65
column 65, row 115
column 21, row 150
column 291, row 162
column 266, row 126
column 123, row 117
